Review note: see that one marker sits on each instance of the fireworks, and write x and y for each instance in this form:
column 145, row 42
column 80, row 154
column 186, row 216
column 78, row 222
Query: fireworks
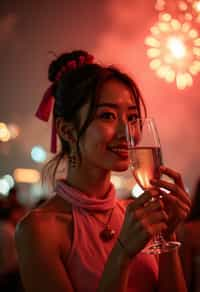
column 174, row 50
column 187, row 10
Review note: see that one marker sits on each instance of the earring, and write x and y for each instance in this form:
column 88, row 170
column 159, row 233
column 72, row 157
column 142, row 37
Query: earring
column 73, row 159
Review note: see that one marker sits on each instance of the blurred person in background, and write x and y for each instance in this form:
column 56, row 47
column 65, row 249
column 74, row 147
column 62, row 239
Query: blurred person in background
column 18, row 210
column 11, row 212
column 190, row 248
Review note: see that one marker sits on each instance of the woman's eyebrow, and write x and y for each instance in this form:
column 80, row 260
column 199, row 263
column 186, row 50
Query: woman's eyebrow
column 114, row 105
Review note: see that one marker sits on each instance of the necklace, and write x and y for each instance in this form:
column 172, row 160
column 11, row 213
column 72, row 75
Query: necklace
column 107, row 233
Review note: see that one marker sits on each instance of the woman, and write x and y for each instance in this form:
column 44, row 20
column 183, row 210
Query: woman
column 84, row 239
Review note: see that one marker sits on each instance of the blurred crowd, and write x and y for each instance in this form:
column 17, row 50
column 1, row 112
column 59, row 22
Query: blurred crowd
column 11, row 211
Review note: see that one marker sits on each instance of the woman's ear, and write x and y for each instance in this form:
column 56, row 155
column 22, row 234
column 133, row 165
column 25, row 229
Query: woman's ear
column 66, row 130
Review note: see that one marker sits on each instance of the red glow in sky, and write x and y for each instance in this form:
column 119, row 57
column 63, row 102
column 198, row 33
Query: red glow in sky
column 112, row 30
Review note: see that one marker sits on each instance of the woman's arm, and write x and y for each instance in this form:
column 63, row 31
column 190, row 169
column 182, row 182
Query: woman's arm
column 171, row 277
column 143, row 218
column 39, row 255
column 177, row 206
column 116, row 272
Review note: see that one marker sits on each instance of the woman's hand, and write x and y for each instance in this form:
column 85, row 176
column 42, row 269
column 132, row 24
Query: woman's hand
column 143, row 219
column 176, row 201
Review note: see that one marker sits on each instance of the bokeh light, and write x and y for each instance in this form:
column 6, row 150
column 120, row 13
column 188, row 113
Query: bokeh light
column 14, row 130
column 8, row 132
column 38, row 154
column 9, row 180
column 4, row 187
column 6, row 183
column 23, row 175
column 174, row 50
column 4, row 133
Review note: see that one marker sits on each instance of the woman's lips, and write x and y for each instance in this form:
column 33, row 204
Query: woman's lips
column 120, row 152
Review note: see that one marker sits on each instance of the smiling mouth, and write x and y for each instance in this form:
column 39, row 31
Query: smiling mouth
column 121, row 152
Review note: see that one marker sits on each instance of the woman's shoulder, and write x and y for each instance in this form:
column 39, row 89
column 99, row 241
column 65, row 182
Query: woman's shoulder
column 51, row 221
column 44, row 237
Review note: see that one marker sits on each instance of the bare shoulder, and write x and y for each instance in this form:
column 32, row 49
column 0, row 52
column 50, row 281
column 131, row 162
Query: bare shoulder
column 43, row 240
column 35, row 223
column 51, row 223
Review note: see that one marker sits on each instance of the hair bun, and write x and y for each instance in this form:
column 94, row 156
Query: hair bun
column 67, row 62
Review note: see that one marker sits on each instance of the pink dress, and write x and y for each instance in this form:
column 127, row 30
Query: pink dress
column 89, row 253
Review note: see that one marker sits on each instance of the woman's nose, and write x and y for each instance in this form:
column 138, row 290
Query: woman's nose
column 122, row 128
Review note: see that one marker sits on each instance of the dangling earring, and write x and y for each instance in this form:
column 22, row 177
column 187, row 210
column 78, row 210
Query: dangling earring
column 73, row 159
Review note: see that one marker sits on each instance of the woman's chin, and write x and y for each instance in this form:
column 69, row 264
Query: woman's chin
column 120, row 167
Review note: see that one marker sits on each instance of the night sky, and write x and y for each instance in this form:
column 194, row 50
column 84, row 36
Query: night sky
column 114, row 32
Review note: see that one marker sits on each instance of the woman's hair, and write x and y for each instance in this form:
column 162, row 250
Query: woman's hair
column 77, row 87
column 195, row 209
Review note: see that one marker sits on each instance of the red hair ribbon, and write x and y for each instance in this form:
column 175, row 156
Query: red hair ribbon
column 43, row 113
column 45, row 107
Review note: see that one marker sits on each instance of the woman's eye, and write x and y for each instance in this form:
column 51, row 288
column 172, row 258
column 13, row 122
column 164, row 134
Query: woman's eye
column 107, row 116
column 132, row 118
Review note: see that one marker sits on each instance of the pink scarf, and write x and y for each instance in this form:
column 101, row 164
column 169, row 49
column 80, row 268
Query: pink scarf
column 81, row 200
column 88, row 254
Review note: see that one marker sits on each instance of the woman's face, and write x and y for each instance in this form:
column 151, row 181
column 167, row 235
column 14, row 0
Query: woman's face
column 104, row 143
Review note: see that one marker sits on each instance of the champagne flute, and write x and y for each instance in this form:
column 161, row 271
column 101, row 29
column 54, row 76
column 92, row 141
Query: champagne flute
column 145, row 160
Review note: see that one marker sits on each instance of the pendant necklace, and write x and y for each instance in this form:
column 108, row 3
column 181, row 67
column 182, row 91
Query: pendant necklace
column 107, row 233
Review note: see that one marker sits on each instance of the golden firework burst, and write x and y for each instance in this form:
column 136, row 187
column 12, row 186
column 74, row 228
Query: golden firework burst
column 174, row 50
column 187, row 10
column 190, row 10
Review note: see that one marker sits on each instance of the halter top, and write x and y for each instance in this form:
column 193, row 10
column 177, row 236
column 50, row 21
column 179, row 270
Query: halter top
column 89, row 253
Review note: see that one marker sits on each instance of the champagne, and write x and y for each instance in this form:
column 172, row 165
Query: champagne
column 145, row 160
column 145, row 164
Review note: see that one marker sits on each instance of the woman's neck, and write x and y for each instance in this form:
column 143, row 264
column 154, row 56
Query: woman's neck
column 91, row 182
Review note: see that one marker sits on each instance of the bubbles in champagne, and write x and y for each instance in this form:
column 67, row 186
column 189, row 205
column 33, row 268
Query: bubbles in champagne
column 146, row 163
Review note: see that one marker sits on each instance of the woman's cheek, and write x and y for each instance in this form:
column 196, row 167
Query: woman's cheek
column 100, row 133
column 106, row 132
